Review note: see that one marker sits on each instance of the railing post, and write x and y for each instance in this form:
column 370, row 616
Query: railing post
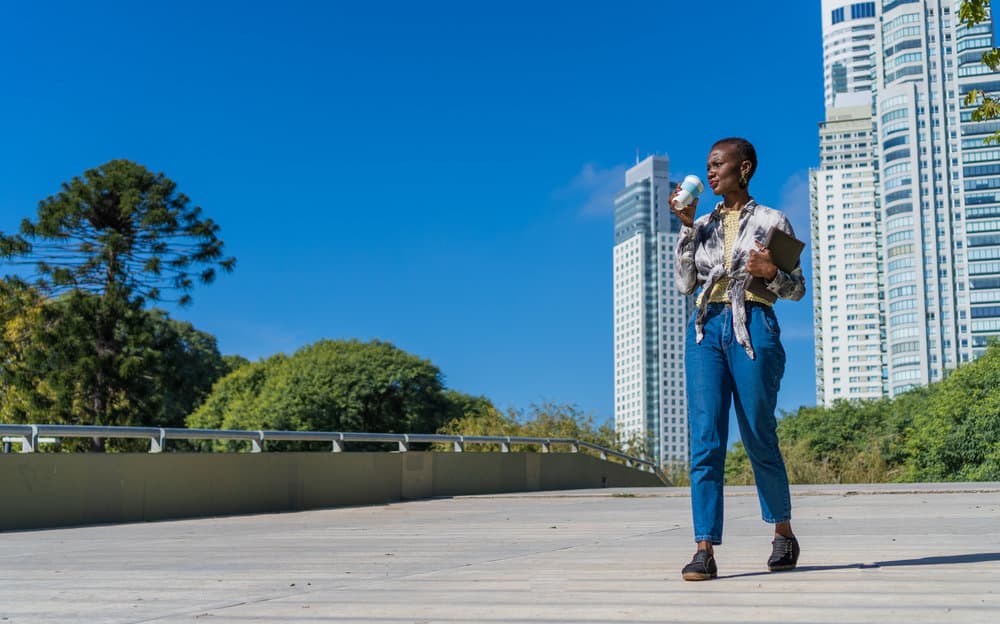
column 404, row 444
column 459, row 445
column 575, row 447
column 547, row 446
column 156, row 442
column 505, row 446
column 338, row 446
column 29, row 443
column 604, row 455
column 257, row 446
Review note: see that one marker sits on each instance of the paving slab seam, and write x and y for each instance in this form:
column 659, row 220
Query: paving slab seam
column 216, row 608
column 923, row 559
column 395, row 578
column 535, row 553
column 731, row 491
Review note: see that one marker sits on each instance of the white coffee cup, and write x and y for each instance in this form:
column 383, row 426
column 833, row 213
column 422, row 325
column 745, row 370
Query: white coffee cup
column 691, row 188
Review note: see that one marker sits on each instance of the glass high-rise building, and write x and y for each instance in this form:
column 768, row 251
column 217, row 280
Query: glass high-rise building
column 937, row 191
column 940, row 191
column 848, row 42
column 649, row 317
column 849, row 323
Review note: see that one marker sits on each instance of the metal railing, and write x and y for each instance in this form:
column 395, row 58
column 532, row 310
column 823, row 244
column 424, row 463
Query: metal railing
column 28, row 437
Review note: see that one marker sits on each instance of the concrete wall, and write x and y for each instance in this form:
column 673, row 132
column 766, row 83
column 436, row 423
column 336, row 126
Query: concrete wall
column 41, row 490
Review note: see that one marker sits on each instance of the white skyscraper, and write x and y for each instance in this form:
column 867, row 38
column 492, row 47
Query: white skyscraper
column 848, row 47
column 937, row 192
column 649, row 316
column 848, row 320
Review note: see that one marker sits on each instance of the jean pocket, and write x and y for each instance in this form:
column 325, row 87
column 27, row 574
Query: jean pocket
column 771, row 322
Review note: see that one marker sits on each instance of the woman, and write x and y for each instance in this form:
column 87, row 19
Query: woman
column 733, row 351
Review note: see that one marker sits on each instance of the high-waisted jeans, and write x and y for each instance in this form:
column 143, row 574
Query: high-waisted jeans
column 719, row 373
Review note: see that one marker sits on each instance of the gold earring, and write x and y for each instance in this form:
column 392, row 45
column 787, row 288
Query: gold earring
column 744, row 180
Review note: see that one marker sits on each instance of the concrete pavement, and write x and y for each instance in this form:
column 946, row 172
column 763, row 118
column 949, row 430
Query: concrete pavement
column 902, row 553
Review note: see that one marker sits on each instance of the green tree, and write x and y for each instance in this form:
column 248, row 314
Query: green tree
column 20, row 307
column 232, row 401
column 947, row 431
column 331, row 385
column 545, row 420
column 641, row 445
column 971, row 13
column 120, row 231
column 459, row 405
column 480, row 419
column 955, row 435
column 553, row 420
column 105, row 245
column 187, row 364
column 232, row 362
column 61, row 378
column 165, row 370
column 849, row 442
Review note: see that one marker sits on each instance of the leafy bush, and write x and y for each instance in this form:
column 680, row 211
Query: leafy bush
column 948, row 431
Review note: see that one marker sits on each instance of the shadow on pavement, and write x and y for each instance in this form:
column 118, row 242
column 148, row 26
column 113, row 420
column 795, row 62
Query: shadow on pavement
column 937, row 560
column 941, row 560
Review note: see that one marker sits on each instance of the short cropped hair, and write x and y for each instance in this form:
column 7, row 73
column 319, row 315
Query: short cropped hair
column 744, row 148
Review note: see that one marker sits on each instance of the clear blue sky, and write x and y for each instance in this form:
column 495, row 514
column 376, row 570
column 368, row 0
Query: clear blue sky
column 436, row 174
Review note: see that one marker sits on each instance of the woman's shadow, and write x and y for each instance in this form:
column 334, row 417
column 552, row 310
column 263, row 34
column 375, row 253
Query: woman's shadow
column 936, row 560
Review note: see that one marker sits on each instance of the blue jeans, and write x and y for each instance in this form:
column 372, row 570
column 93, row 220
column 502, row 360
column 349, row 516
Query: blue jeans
column 719, row 372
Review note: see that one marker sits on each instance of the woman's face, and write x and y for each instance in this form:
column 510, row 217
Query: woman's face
column 724, row 166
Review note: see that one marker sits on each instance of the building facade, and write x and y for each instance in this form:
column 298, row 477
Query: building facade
column 937, row 191
column 939, row 186
column 649, row 317
column 849, row 323
column 848, row 45
column 847, row 254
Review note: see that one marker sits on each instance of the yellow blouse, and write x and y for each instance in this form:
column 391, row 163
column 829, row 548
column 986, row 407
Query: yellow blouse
column 730, row 228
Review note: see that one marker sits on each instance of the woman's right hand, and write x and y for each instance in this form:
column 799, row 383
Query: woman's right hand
column 685, row 214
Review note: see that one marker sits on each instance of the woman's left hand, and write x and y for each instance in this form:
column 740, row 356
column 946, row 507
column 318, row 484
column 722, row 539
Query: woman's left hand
column 759, row 263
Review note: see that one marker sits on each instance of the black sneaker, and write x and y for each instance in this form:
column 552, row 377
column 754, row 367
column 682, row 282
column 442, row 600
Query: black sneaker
column 701, row 568
column 784, row 554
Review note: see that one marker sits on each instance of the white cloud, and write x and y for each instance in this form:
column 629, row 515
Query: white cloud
column 593, row 190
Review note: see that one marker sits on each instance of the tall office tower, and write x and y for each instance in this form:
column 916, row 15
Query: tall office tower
column 847, row 302
column 848, row 43
column 847, row 283
column 937, row 198
column 649, row 316
column 940, row 191
column 979, row 194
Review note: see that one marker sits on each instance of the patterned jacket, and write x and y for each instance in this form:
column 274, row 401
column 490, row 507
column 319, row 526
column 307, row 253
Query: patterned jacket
column 700, row 262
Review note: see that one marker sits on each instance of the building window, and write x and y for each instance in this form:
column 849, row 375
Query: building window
column 862, row 9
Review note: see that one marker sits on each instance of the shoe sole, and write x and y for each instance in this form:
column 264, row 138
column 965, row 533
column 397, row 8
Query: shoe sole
column 783, row 568
column 698, row 576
